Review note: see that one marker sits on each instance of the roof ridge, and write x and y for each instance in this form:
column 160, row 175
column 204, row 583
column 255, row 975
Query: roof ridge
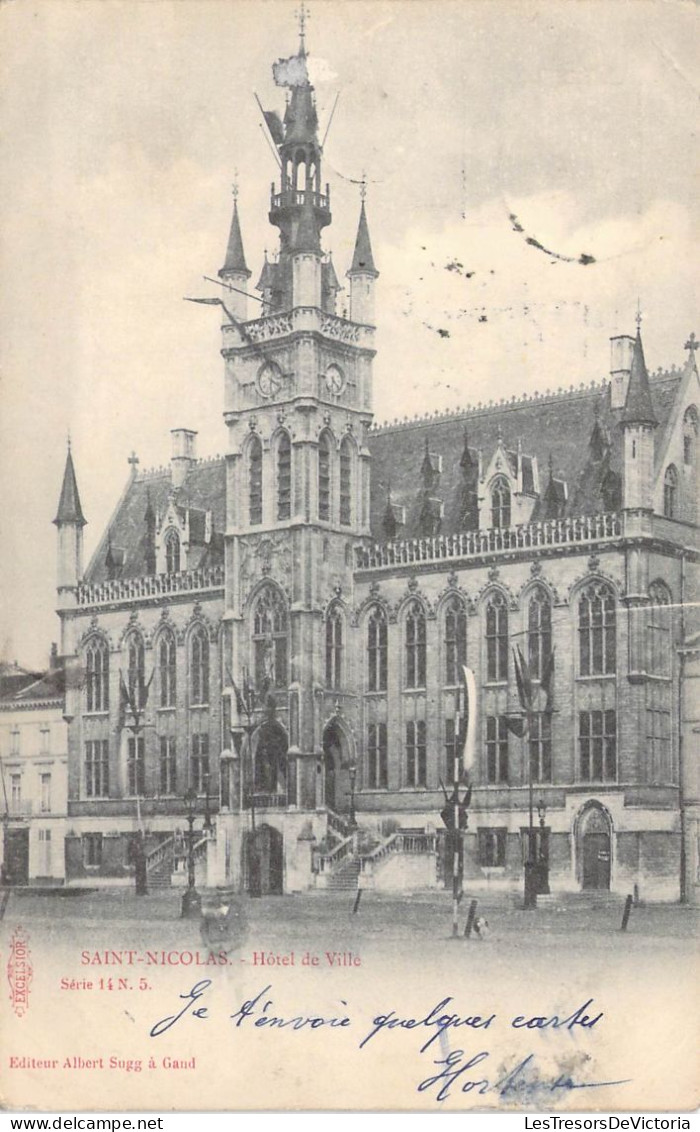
column 483, row 408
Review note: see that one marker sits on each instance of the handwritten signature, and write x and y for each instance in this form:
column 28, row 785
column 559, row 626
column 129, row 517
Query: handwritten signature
column 523, row 1083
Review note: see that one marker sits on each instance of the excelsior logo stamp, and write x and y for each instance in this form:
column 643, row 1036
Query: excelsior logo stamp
column 19, row 971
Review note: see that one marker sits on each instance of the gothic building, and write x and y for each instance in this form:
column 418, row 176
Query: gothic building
column 282, row 631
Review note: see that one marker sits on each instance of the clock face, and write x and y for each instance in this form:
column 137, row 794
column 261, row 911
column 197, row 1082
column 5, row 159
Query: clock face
column 269, row 381
column 335, row 382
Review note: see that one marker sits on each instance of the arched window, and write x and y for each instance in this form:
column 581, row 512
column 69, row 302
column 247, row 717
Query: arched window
column 415, row 646
column 199, row 667
column 136, row 671
column 97, row 675
column 324, row 478
column 346, row 482
column 376, row 651
column 596, row 627
column 172, row 553
column 455, row 640
column 255, row 484
column 284, row 477
column 167, row 671
column 496, row 639
column 659, row 630
column 539, row 632
column 500, row 504
column 334, row 649
column 270, row 640
column 671, row 492
column 690, row 435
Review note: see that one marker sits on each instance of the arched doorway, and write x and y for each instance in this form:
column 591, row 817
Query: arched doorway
column 263, row 857
column 337, row 757
column 594, row 848
column 270, row 763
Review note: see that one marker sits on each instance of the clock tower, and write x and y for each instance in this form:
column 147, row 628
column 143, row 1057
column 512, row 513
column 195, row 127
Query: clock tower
column 298, row 404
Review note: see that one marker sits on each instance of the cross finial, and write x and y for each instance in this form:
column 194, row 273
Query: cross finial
column 638, row 319
column 133, row 461
column 69, row 440
column 234, row 186
column 363, row 185
column 302, row 17
column 692, row 345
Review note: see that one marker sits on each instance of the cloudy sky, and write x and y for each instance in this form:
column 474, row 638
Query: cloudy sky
column 478, row 125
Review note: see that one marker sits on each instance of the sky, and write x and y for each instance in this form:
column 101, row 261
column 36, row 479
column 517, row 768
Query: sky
column 480, row 128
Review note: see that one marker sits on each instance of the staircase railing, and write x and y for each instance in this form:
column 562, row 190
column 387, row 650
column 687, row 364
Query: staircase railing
column 328, row 861
column 416, row 844
column 157, row 855
column 338, row 824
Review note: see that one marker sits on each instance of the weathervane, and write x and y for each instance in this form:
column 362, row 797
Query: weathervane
column 639, row 314
column 302, row 16
column 363, row 185
column 234, row 186
column 692, row 345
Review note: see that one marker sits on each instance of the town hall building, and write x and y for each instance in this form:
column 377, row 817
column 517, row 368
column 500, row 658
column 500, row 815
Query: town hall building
column 277, row 638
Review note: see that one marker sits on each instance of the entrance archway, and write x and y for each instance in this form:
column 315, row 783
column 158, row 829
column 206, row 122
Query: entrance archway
column 594, row 844
column 270, row 763
column 338, row 754
column 263, row 856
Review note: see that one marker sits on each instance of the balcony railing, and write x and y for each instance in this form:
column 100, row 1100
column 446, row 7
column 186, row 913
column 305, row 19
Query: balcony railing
column 150, row 585
column 298, row 197
column 496, row 540
column 265, row 801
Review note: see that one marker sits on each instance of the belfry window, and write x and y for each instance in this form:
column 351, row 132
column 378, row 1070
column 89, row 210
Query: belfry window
column 284, row 477
column 324, row 478
column 346, row 483
column 255, row 484
column 500, row 504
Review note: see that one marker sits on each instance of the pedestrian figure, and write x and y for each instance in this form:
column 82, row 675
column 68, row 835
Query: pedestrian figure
column 481, row 927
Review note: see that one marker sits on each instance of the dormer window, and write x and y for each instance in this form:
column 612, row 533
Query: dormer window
column 172, row 553
column 500, row 503
column 670, row 490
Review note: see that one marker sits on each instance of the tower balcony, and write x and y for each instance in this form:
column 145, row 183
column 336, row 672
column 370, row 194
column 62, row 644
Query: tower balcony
column 297, row 198
column 299, row 320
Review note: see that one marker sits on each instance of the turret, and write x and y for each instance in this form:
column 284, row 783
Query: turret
column 235, row 271
column 638, row 421
column 362, row 275
column 69, row 522
column 306, row 260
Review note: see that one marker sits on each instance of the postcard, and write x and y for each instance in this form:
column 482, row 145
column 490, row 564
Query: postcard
column 349, row 683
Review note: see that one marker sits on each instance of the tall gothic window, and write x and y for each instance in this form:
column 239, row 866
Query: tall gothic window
column 415, row 646
column 136, row 765
column 284, row 477
column 136, row 672
column 199, row 667
column 199, row 762
column 539, row 632
column 671, row 492
column 455, row 640
column 334, row 649
column 270, row 639
column 346, row 482
column 168, row 764
column 167, row 670
column 540, row 743
column 496, row 639
column 659, row 630
column 377, row 762
column 97, row 675
column 500, row 504
column 597, row 628
column 376, row 651
column 597, row 733
column 496, row 749
column 416, row 753
column 255, row 482
column 97, row 768
column 324, row 478
column 172, row 553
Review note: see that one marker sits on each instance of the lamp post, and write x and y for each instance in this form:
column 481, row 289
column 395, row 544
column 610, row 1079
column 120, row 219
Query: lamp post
column 530, row 885
column 543, row 862
column 191, row 901
column 207, row 814
column 352, row 771
column 246, row 698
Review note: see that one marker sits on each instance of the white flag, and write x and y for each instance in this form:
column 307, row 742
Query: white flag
column 469, row 718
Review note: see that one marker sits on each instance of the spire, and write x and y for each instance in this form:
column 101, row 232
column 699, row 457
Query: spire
column 235, row 256
column 389, row 520
column 467, row 462
column 638, row 405
column 69, row 509
column 362, row 260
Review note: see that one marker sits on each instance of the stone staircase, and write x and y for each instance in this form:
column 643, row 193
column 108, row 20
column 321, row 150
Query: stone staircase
column 167, row 866
column 353, row 855
column 345, row 877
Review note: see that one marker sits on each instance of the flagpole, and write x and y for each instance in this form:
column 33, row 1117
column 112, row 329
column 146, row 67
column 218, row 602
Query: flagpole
column 457, row 834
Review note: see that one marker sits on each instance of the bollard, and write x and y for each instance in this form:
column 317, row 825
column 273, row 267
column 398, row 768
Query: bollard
column 356, row 905
column 626, row 914
column 471, row 916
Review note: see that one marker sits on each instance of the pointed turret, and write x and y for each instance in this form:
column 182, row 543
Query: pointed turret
column 69, row 508
column 235, row 270
column 362, row 274
column 69, row 523
column 469, row 498
column 638, row 405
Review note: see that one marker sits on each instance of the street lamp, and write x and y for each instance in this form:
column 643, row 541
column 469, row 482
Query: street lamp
column 543, row 862
column 191, row 900
column 246, row 698
column 207, row 814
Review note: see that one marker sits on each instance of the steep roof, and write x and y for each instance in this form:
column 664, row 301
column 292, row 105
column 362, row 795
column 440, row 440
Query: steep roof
column 559, row 424
column 130, row 531
column 235, row 256
column 363, row 260
column 638, row 407
column 69, row 509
